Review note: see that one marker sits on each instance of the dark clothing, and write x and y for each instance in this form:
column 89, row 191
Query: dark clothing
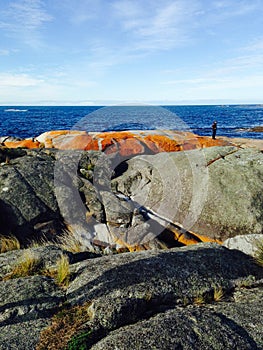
column 214, row 128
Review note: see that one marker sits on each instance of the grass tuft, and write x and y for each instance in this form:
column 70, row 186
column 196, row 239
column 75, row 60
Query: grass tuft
column 218, row 294
column 28, row 265
column 70, row 243
column 63, row 271
column 40, row 242
column 259, row 253
column 200, row 299
column 65, row 325
column 8, row 243
column 205, row 297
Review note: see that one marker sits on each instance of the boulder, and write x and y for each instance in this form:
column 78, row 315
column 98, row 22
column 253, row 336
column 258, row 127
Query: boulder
column 26, row 306
column 27, row 143
column 256, row 129
column 168, row 199
column 126, row 143
column 203, row 296
column 215, row 191
column 27, row 194
column 248, row 244
column 191, row 328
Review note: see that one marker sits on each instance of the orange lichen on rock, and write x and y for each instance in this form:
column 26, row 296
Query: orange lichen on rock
column 205, row 141
column 78, row 142
column 207, row 239
column 130, row 248
column 27, row 143
column 117, row 135
column 189, row 237
column 50, row 138
column 130, row 147
column 110, row 138
column 162, row 143
column 128, row 142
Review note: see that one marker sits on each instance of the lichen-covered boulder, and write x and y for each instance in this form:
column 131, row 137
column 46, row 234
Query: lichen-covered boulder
column 248, row 244
column 188, row 297
column 27, row 194
column 26, row 304
column 216, row 192
column 190, row 328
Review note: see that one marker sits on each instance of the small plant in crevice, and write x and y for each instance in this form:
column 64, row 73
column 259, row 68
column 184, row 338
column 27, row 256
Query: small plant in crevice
column 218, row 294
column 65, row 329
column 28, row 265
column 148, row 296
column 40, row 242
column 200, row 299
column 8, row 243
column 79, row 341
column 63, row 271
column 60, row 273
column 246, row 282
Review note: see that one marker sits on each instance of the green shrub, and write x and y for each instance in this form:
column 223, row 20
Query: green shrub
column 79, row 341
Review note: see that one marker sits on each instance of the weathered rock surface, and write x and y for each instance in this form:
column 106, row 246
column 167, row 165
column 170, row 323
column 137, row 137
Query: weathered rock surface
column 141, row 300
column 189, row 329
column 126, row 143
column 248, row 244
column 27, row 194
column 167, row 199
column 216, row 191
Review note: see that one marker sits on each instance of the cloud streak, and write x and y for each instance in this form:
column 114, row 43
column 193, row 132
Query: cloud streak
column 18, row 80
column 159, row 26
column 23, row 18
column 4, row 52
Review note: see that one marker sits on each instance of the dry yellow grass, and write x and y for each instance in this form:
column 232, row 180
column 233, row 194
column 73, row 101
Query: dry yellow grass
column 28, row 265
column 205, row 297
column 200, row 300
column 259, row 253
column 63, row 327
column 70, row 243
column 8, row 243
column 218, row 294
column 62, row 271
column 41, row 242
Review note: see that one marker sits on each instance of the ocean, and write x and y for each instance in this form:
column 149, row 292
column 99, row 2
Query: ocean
column 31, row 121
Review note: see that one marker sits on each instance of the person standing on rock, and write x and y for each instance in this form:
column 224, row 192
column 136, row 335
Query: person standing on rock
column 214, row 128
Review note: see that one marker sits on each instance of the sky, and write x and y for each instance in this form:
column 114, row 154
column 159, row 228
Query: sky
column 104, row 52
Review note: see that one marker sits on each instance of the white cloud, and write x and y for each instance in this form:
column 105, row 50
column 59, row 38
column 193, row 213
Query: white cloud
column 4, row 52
column 8, row 52
column 220, row 11
column 255, row 45
column 23, row 18
column 18, row 80
column 162, row 26
column 81, row 11
column 196, row 81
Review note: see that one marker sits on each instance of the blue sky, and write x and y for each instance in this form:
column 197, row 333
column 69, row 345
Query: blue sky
column 94, row 52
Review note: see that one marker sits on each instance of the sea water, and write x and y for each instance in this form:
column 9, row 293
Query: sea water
column 31, row 121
